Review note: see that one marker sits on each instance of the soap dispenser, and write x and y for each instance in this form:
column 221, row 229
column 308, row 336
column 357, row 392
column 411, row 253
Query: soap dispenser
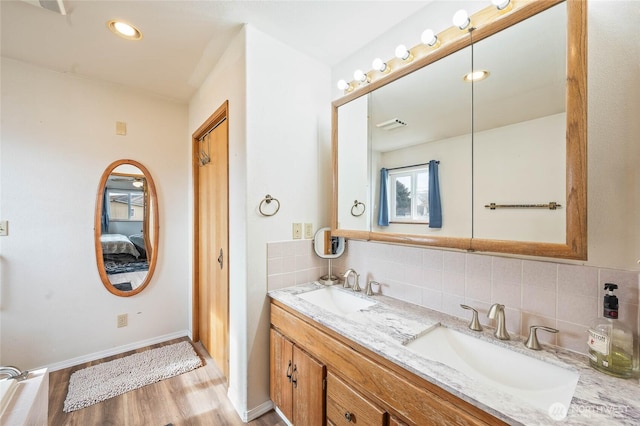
column 611, row 345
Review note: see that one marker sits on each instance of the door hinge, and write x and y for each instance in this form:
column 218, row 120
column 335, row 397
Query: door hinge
column 324, row 384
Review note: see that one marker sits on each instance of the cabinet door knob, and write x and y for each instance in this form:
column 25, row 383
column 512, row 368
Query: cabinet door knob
column 348, row 416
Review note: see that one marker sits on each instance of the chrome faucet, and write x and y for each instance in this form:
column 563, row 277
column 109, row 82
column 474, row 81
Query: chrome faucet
column 496, row 312
column 347, row 274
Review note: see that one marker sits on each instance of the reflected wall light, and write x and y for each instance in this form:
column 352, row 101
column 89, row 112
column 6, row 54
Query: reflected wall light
column 403, row 53
column 380, row 66
column 461, row 19
column 429, row 37
column 501, row 4
column 360, row 76
column 343, row 85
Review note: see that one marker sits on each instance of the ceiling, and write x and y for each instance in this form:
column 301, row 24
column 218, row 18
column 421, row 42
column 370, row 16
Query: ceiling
column 182, row 39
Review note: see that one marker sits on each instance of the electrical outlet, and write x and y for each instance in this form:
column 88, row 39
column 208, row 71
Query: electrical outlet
column 122, row 320
column 4, row 228
column 297, row 231
column 308, row 230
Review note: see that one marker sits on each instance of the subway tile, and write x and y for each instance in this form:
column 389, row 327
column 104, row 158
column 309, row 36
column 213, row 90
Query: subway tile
column 274, row 250
column 540, row 274
column 579, row 280
column 453, row 283
column 274, row 282
column 454, row 262
column 539, row 301
column 433, row 259
column 577, row 309
column 432, row 279
column 506, row 294
column 507, row 270
column 275, row 266
column 478, row 267
column 415, row 275
column 478, row 289
column 432, row 299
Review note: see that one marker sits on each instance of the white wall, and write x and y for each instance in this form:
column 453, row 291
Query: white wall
column 613, row 127
column 279, row 137
column 57, row 138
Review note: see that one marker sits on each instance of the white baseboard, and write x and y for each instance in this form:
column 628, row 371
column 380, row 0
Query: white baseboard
column 282, row 416
column 256, row 412
column 115, row 351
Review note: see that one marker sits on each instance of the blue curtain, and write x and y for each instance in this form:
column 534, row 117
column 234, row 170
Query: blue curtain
column 105, row 213
column 435, row 210
column 383, row 212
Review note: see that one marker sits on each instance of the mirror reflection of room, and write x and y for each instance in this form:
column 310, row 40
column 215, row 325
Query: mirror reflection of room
column 123, row 228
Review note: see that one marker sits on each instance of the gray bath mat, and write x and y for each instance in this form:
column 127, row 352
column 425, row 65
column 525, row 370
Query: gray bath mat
column 103, row 381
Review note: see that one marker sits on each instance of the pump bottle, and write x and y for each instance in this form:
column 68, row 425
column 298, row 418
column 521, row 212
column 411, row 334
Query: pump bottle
column 611, row 343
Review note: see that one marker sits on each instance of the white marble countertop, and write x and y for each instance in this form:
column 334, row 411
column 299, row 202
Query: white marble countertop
column 599, row 399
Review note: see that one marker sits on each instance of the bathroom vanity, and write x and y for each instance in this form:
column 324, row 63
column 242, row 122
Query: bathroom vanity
column 354, row 367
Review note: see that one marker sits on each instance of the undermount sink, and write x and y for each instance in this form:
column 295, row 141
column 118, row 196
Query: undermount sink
column 534, row 381
column 336, row 301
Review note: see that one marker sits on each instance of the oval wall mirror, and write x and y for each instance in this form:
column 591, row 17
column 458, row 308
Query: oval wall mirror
column 327, row 246
column 126, row 228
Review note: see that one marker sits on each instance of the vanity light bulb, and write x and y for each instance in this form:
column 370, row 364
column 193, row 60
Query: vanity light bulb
column 429, row 37
column 501, row 4
column 378, row 65
column 359, row 75
column 343, row 85
column 402, row 52
column 461, row 19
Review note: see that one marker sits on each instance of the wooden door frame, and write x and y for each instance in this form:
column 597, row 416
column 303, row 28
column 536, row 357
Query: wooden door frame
column 221, row 113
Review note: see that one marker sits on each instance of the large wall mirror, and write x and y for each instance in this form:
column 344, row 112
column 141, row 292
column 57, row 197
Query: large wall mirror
column 126, row 228
column 510, row 148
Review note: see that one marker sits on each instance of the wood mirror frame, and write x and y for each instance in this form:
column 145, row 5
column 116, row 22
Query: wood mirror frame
column 486, row 23
column 151, row 226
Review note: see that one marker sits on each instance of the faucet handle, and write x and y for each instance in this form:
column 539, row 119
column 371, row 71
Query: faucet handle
column 368, row 291
column 532, row 341
column 475, row 323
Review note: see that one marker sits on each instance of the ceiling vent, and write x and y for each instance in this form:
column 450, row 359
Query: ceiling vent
column 391, row 124
column 56, row 6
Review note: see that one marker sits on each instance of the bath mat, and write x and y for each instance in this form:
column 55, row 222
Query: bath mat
column 103, row 381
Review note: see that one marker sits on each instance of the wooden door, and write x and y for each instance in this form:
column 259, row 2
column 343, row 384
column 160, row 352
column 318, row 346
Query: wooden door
column 280, row 371
column 308, row 390
column 211, row 239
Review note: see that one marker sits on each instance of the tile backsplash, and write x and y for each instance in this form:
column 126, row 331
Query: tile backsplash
column 564, row 296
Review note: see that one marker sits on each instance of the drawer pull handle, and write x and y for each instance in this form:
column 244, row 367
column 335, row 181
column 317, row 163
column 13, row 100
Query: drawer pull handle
column 348, row 416
column 294, row 380
column 289, row 371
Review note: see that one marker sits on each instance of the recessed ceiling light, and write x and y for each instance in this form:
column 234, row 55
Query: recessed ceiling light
column 476, row 76
column 124, row 30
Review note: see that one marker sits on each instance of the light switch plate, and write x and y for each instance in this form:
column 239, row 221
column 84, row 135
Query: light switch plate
column 297, row 231
column 4, row 228
column 308, row 230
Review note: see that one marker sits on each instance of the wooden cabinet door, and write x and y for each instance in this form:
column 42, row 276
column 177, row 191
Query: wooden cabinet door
column 308, row 390
column 280, row 371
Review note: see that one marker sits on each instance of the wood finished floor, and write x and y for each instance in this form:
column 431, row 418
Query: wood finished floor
column 198, row 397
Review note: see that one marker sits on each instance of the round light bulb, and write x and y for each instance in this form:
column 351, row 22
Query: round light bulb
column 359, row 75
column 429, row 37
column 461, row 19
column 343, row 85
column 379, row 65
column 402, row 52
column 501, row 4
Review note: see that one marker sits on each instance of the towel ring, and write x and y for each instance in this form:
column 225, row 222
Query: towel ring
column 268, row 199
column 357, row 203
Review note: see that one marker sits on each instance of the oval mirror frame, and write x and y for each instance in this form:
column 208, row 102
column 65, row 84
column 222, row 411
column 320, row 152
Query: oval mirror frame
column 151, row 212
column 487, row 22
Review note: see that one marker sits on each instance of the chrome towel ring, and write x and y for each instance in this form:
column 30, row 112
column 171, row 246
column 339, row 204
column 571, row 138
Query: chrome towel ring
column 268, row 199
column 356, row 206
